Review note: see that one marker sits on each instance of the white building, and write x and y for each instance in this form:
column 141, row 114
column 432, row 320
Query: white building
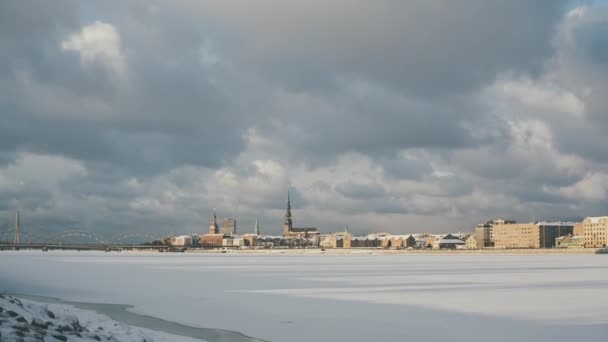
column 181, row 241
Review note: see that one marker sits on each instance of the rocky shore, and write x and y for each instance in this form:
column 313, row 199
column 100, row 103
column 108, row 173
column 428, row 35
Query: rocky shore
column 28, row 321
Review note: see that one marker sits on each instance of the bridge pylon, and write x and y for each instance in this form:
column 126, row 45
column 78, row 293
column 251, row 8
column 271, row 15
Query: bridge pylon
column 16, row 240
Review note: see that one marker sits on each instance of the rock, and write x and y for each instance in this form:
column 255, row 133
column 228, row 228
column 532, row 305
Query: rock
column 38, row 336
column 17, row 301
column 33, row 339
column 59, row 337
column 37, row 322
column 13, row 339
column 20, row 319
column 76, row 326
column 64, row 328
column 50, row 314
column 12, row 313
column 19, row 333
column 36, row 330
column 20, row 327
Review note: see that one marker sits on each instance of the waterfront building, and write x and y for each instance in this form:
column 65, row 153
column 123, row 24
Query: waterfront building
column 530, row 235
column 484, row 233
column 291, row 232
column 569, row 241
column 595, row 231
column 250, row 240
column 364, row 242
column 448, row 242
column 471, row 242
column 211, row 240
column 180, row 241
column 579, row 229
column 228, row 227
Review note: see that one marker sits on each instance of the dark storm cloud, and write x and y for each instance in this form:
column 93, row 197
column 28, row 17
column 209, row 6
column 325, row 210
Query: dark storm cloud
column 165, row 113
column 315, row 80
column 422, row 47
column 356, row 190
column 25, row 196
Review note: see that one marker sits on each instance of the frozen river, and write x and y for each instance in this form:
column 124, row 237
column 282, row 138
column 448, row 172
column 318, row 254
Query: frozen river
column 336, row 298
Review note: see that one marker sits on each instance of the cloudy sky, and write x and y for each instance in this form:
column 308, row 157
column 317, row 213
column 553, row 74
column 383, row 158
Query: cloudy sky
column 400, row 116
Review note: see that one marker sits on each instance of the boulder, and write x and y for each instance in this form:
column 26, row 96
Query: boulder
column 37, row 322
column 12, row 313
column 20, row 327
column 50, row 314
column 59, row 337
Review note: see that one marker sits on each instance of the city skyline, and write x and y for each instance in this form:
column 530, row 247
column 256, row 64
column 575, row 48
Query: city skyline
column 148, row 115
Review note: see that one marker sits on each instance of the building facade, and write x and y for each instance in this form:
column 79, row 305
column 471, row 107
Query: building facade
column 576, row 241
column 484, row 233
column 228, row 226
column 530, row 235
column 595, row 231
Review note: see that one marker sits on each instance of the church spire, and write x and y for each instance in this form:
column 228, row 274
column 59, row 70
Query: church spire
column 213, row 226
column 288, row 210
column 257, row 226
column 288, row 224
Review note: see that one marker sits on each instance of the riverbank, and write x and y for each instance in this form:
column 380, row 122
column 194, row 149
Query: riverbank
column 27, row 320
column 122, row 313
column 379, row 251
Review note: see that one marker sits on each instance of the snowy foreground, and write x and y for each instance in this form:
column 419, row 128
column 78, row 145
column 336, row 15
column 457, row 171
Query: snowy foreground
column 336, row 298
column 25, row 320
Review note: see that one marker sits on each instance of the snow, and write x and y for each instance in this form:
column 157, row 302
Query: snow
column 82, row 325
column 358, row 297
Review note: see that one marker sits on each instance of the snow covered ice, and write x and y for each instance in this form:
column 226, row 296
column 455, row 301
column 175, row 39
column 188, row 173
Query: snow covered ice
column 25, row 320
column 336, row 298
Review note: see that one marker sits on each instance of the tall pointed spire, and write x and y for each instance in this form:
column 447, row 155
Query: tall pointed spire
column 213, row 226
column 288, row 210
column 257, row 226
column 287, row 224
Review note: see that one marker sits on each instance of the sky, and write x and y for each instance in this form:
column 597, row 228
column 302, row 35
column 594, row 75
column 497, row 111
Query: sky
column 398, row 116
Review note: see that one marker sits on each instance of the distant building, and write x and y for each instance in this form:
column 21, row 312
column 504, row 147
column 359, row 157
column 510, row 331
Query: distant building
column 180, row 241
column 595, row 231
column 448, row 242
column 576, row 241
column 290, row 231
column 530, row 235
column 211, row 240
column 579, row 229
column 228, row 226
column 484, row 233
column 250, row 240
column 471, row 242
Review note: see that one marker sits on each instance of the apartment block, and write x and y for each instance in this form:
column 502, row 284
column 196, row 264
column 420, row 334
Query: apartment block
column 530, row 235
column 595, row 231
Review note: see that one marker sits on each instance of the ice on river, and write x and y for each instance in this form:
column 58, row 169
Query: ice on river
column 336, row 298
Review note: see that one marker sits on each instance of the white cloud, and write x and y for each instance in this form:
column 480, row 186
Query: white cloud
column 42, row 169
column 98, row 43
column 543, row 96
column 593, row 187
